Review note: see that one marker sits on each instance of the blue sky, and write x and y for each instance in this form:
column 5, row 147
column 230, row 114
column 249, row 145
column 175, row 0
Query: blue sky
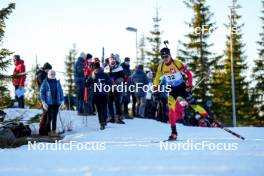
column 48, row 28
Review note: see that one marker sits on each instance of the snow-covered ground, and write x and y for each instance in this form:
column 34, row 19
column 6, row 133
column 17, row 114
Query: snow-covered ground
column 129, row 150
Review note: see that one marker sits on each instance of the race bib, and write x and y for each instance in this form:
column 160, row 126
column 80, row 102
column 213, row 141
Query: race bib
column 174, row 79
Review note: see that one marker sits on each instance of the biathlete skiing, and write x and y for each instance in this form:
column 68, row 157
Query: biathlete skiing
column 171, row 71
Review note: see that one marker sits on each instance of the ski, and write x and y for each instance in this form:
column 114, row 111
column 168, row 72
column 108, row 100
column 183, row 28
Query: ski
column 166, row 140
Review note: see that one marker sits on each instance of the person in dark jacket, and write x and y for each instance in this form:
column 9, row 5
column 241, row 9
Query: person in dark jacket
column 88, row 93
column 116, row 74
column 134, row 99
column 126, row 95
column 79, row 80
column 99, row 81
column 150, row 102
column 52, row 98
column 106, row 63
column 94, row 62
column 19, row 80
column 139, row 79
column 41, row 75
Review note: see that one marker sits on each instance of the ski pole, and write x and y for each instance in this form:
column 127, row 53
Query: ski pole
column 165, row 43
column 157, row 107
column 229, row 131
column 199, row 82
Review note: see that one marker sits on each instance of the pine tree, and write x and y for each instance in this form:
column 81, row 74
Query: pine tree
column 4, row 62
column 196, row 52
column 223, row 96
column 142, row 51
column 32, row 98
column 69, row 75
column 258, row 75
column 155, row 41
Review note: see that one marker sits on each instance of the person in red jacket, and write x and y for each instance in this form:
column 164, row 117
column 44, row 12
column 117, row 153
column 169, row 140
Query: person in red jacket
column 19, row 80
column 88, row 94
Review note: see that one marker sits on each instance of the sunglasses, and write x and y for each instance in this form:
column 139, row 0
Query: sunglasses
column 165, row 56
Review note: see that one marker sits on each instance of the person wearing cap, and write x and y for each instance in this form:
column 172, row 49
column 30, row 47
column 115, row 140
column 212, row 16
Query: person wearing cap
column 150, row 103
column 100, row 78
column 126, row 95
column 94, row 63
column 19, row 78
column 88, row 93
column 212, row 116
column 170, row 73
column 52, row 99
column 117, row 58
column 79, row 80
column 41, row 75
column 126, row 67
column 116, row 74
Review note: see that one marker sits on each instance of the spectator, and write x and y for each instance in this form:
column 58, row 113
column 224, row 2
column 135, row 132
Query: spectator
column 139, row 79
column 42, row 74
column 100, row 97
column 88, row 93
column 126, row 95
column 19, row 80
column 106, row 62
column 79, row 80
column 134, row 99
column 52, row 99
column 118, row 59
column 150, row 102
column 116, row 74
column 95, row 61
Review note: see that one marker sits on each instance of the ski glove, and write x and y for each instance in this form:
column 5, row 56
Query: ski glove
column 45, row 106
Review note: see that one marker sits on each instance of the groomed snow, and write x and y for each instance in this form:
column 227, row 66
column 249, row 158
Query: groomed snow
column 128, row 150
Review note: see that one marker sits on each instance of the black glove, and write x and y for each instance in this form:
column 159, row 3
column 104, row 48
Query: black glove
column 189, row 89
column 190, row 99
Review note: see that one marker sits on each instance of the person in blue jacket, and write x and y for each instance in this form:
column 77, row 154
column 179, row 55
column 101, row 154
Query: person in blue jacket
column 79, row 80
column 52, row 99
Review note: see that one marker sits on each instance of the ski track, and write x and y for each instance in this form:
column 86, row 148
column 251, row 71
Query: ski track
column 129, row 150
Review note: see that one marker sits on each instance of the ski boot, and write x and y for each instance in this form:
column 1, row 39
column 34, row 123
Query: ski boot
column 102, row 126
column 173, row 136
column 119, row 120
column 112, row 120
